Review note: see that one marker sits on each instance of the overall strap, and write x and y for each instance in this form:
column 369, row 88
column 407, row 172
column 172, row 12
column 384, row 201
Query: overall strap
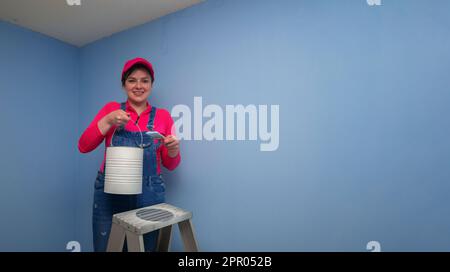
column 151, row 118
column 123, row 106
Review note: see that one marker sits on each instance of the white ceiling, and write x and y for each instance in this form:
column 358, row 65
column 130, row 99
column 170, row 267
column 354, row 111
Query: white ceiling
column 90, row 21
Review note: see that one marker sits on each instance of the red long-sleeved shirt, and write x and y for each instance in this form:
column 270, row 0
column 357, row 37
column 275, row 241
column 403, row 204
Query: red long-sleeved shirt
column 163, row 122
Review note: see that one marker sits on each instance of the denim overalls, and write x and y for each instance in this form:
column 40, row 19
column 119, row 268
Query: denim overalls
column 153, row 188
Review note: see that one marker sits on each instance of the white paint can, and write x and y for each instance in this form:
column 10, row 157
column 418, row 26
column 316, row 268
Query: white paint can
column 123, row 169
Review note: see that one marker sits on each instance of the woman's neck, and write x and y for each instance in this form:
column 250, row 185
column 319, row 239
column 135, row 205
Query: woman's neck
column 139, row 108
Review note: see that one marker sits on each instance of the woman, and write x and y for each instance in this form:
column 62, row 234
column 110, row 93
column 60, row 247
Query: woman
column 123, row 120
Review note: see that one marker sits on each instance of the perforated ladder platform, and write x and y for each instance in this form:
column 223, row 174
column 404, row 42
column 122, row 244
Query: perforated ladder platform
column 135, row 223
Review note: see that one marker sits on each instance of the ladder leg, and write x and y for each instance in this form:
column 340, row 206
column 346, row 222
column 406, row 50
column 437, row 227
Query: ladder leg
column 164, row 237
column 116, row 238
column 135, row 243
column 188, row 236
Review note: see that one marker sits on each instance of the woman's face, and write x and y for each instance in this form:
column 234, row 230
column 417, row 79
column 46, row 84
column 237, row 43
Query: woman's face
column 138, row 86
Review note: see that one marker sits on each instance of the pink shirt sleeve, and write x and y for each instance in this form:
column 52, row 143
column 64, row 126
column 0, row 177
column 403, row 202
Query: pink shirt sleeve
column 165, row 118
column 92, row 136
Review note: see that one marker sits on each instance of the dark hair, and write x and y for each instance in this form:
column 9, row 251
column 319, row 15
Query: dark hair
column 133, row 68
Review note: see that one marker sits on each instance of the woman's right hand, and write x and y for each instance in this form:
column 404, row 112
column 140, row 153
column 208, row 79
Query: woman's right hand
column 114, row 118
column 117, row 118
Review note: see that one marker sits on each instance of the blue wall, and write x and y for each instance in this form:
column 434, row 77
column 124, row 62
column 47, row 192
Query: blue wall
column 363, row 135
column 363, row 95
column 39, row 103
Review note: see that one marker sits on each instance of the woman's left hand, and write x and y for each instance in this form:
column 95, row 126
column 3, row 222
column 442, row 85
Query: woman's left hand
column 173, row 145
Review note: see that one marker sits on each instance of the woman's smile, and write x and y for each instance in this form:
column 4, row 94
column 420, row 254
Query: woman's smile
column 138, row 92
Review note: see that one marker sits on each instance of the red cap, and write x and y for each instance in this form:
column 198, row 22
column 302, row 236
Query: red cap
column 132, row 62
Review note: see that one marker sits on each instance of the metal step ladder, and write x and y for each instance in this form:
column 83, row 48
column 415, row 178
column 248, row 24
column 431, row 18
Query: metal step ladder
column 135, row 223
